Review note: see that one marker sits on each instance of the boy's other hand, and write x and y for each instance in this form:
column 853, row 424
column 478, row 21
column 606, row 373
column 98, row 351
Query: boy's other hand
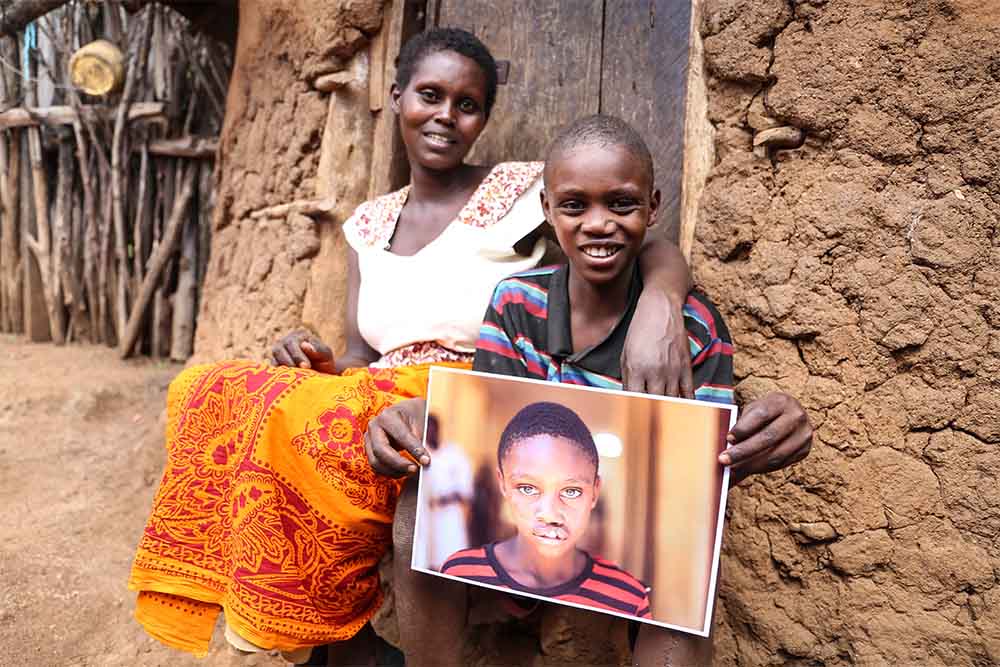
column 656, row 358
column 398, row 428
column 772, row 433
column 303, row 350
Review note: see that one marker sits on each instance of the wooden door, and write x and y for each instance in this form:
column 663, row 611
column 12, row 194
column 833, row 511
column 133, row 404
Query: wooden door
column 571, row 58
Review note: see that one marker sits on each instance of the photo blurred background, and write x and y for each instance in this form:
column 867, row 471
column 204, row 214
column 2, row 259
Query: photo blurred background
column 660, row 494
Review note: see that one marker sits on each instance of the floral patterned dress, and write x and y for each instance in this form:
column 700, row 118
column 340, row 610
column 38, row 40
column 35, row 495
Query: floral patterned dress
column 268, row 509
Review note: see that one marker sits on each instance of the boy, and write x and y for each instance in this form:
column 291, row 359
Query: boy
column 568, row 324
column 547, row 469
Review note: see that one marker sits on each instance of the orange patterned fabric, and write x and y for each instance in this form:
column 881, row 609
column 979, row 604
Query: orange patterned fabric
column 268, row 508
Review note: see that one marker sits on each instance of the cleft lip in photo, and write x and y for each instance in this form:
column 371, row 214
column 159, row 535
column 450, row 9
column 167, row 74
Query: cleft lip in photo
column 550, row 534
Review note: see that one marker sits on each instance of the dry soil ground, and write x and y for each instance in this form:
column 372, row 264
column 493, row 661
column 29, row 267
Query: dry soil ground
column 80, row 455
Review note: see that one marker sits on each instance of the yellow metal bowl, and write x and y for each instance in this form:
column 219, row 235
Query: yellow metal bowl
column 98, row 68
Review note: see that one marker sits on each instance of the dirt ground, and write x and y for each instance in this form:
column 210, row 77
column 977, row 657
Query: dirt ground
column 80, row 456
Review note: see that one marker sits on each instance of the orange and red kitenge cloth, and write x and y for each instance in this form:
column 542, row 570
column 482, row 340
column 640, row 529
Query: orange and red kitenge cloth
column 268, row 508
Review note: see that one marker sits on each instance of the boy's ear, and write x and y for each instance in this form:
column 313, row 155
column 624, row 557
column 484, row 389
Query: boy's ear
column 503, row 487
column 394, row 94
column 597, row 491
column 654, row 206
column 545, row 205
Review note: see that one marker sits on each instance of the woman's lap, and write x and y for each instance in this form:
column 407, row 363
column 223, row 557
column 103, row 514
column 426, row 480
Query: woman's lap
column 268, row 507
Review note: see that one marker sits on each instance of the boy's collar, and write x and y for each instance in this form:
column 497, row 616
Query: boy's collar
column 604, row 357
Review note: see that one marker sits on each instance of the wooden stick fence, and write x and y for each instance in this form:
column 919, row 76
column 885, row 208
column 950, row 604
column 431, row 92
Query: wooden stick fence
column 105, row 203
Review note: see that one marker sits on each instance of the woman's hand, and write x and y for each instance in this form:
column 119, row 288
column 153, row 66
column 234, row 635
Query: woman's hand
column 398, row 428
column 304, row 350
column 656, row 358
column 772, row 433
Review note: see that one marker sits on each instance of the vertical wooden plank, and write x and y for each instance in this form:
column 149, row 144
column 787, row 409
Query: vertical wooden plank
column 36, row 318
column 554, row 49
column 389, row 170
column 644, row 81
column 699, row 137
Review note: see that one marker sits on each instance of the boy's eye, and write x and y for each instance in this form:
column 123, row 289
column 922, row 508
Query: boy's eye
column 571, row 206
column 468, row 106
column 428, row 95
column 527, row 489
column 624, row 205
column 572, row 493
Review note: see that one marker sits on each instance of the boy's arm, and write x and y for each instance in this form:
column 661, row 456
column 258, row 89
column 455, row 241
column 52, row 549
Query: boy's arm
column 655, row 359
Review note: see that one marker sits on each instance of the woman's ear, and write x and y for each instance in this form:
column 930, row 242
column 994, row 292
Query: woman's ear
column 654, row 207
column 394, row 94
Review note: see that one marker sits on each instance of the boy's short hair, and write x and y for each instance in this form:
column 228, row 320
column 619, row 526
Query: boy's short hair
column 601, row 130
column 545, row 418
column 461, row 42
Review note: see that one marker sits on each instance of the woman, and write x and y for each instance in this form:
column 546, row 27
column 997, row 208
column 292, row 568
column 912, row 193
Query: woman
column 269, row 507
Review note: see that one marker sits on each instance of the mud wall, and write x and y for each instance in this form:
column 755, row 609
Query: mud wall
column 861, row 272
column 271, row 146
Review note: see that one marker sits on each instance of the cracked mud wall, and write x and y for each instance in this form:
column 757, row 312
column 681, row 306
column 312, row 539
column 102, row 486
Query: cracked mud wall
column 861, row 272
column 273, row 139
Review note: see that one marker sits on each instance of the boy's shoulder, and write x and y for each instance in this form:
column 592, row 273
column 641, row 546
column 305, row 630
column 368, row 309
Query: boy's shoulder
column 614, row 574
column 527, row 288
column 703, row 319
column 540, row 274
column 475, row 557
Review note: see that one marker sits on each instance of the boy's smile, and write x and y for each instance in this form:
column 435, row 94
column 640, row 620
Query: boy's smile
column 599, row 200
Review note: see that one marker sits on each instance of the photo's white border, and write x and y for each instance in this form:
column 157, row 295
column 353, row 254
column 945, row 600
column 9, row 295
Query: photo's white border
column 720, row 520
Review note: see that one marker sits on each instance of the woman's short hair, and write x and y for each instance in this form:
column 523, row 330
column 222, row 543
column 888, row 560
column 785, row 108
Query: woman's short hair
column 436, row 40
column 552, row 419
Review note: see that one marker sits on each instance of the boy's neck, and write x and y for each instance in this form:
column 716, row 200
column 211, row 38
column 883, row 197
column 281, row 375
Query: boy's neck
column 596, row 309
column 523, row 563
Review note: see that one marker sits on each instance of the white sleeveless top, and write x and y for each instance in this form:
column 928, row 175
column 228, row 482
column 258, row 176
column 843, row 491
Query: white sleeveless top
column 429, row 306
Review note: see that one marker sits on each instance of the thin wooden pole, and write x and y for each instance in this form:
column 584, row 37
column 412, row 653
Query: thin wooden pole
column 158, row 260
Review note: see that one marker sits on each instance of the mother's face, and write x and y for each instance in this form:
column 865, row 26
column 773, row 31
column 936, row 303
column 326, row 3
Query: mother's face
column 442, row 110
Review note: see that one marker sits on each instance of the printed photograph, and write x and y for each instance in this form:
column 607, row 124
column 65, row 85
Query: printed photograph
column 587, row 497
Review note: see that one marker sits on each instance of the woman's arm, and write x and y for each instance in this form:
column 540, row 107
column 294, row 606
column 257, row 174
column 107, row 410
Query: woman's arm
column 303, row 349
column 358, row 352
column 656, row 358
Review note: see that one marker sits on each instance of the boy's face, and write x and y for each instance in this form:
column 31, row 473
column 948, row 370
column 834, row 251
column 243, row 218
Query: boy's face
column 600, row 201
column 551, row 487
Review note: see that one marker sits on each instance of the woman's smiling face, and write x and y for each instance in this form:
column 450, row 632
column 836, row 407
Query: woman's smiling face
column 442, row 110
column 551, row 487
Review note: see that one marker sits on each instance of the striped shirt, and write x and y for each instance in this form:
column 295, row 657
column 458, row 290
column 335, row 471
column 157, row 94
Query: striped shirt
column 526, row 333
column 601, row 584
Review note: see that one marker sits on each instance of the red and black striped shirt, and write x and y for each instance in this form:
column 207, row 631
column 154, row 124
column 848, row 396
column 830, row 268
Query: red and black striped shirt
column 601, row 584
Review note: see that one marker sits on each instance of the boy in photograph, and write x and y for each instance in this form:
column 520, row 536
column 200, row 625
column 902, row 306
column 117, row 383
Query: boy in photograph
column 547, row 470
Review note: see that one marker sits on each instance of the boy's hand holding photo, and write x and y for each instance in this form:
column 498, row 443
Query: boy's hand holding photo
column 773, row 432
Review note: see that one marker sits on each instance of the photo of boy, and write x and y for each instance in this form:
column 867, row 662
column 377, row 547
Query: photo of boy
column 548, row 473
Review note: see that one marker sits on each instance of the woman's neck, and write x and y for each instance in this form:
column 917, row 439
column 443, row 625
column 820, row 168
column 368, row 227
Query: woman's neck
column 529, row 568
column 428, row 185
